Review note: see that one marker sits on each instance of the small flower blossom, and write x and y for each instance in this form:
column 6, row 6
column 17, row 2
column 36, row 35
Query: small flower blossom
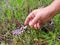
column 18, row 31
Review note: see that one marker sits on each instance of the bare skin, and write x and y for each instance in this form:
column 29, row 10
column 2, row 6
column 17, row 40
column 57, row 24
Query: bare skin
column 42, row 15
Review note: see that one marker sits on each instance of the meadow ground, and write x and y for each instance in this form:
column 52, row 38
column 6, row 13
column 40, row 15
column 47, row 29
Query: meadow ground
column 12, row 16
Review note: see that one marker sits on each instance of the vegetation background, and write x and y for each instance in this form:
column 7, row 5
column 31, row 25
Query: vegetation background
column 12, row 15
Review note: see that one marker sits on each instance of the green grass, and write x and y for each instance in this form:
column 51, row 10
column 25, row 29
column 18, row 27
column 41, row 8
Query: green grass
column 14, row 12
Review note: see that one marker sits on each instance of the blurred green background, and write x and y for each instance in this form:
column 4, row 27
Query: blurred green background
column 12, row 15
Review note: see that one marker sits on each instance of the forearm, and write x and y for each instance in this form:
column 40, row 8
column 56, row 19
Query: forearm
column 54, row 7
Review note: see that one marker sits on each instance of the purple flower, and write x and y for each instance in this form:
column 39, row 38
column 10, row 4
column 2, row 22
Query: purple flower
column 17, row 31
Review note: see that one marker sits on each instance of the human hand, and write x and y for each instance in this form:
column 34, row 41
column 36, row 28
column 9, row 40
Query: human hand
column 42, row 15
column 37, row 17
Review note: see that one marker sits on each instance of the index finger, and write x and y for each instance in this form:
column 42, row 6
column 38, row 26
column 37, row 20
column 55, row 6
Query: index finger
column 29, row 17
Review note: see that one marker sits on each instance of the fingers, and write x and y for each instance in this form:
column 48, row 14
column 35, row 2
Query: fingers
column 37, row 26
column 34, row 21
column 29, row 18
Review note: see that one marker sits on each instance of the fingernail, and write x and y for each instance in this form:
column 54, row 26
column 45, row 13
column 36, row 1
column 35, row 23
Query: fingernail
column 30, row 24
